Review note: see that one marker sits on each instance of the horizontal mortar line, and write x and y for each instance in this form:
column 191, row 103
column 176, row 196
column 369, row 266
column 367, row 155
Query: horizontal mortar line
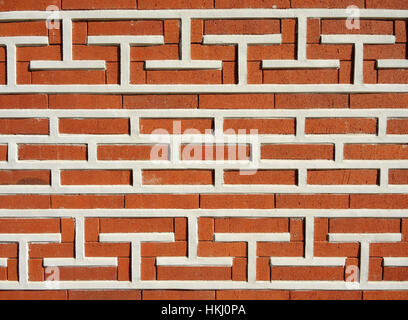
column 251, row 213
column 194, row 113
column 210, row 189
column 203, row 13
column 207, row 285
column 202, row 89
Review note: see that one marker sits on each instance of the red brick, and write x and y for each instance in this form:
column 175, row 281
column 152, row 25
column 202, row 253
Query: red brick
column 107, row 53
column 176, row 249
column 297, row 151
column 178, row 295
column 272, row 52
column 94, row 126
column 96, row 177
column 33, row 295
column 214, row 201
column 163, row 52
column 364, row 225
column 171, row 31
column 68, row 77
column 326, row 295
column 268, row 4
column 307, row 273
column 296, row 228
column 25, row 177
column 119, row 225
column 252, row 295
column 35, row 270
column 321, row 229
column 376, row 151
column 206, row 229
column 263, row 126
column 354, row 177
column 366, row 27
column 326, row 3
column 385, row 295
column 39, row 53
column 180, row 229
column 26, row 201
column 52, row 152
column 92, row 229
column 214, row 152
column 397, row 126
column 74, row 101
column 398, row 249
column 27, row 28
column 68, row 230
column 193, row 273
column 160, row 102
column 125, row 27
column 392, row 76
column 197, row 31
column 17, row 5
column 25, row 101
column 87, row 201
column 162, row 201
column 314, row 76
column 24, row 126
column 3, row 152
column 400, row 31
column 284, row 177
column 237, row 101
column 29, row 225
column 222, row 249
column 98, row 4
column 341, row 125
column 313, row 201
column 398, row 177
column 180, row 177
column 184, row 77
column 382, row 51
column 132, row 152
column 211, row 52
column 328, row 51
column 311, row 101
column 389, row 4
column 288, row 28
column 175, row 126
column 177, row 4
column 97, row 249
column 395, row 274
column 253, row 26
column 374, row 100
column 379, row 201
column 280, row 249
column 258, row 225
column 104, row 295
column 87, row 273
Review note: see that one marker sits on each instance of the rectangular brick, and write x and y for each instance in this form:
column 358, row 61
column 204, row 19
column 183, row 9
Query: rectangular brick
column 237, row 101
column 309, row 76
column 23, row 101
column 236, row 295
column 326, row 3
column 379, row 201
column 25, row 177
column 311, row 101
column 178, row 295
column 160, row 102
column 397, row 126
column 33, row 295
column 389, row 4
column 177, row 4
column 253, row 26
column 104, row 295
column 307, row 273
column 176, row 126
column 178, row 177
column 337, row 177
column 26, row 201
column 255, row 225
column 17, row 5
column 87, row 201
column 3, row 152
column 398, row 176
column 132, row 152
column 365, row 225
column 263, row 126
column 283, row 177
column 68, row 77
column 26, row 28
column 376, row 100
column 193, row 273
column 74, row 101
column 162, row 201
column 94, row 126
column 194, row 152
column 96, row 177
column 125, row 27
column 376, row 151
column 339, row 26
column 241, row 201
column 341, row 126
column 297, row 151
column 52, row 152
column 313, row 201
column 29, row 225
column 98, row 4
column 24, row 126
column 184, row 77
column 326, row 295
column 122, row 225
column 164, row 52
column 230, row 4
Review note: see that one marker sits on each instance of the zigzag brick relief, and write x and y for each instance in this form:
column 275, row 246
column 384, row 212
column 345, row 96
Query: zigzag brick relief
column 217, row 149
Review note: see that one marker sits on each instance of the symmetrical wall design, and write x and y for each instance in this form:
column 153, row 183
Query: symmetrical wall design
column 211, row 149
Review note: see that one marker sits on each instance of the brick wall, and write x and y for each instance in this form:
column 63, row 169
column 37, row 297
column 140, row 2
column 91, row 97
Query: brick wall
column 103, row 154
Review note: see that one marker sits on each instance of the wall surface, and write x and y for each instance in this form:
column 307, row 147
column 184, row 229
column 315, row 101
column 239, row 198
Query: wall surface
column 239, row 149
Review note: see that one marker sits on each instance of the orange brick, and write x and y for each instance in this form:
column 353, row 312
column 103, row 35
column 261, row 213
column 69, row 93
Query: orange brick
column 307, row 273
column 24, row 201
column 25, row 177
column 239, row 269
column 74, row 101
column 29, row 225
column 256, row 225
column 211, row 52
column 397, row 126
column 132, row 152
column 180, row 229
column 356, row 177
column 53, row 52
column 87, row 201
column 284, row 177
column 193, row 273
column 125, row 27
column 87, row 273
column 163, row 52
column 184, row 77
column 177, row 249
column 379, row 51
column 68, row 77
column 124, row 272
column 97, row 249
column 373, row 100
column 175, row 126
column 107, row 53
column 311, row 101
column 314, row 76
column 130, row 225
column 392, row 76
column 376, row 151
column 98, row 4
column 389, row 249
column 325, row 249
column 67, row 230
column 104, row 295
column 92, row 229
column 252, row 295
column 321, row 201
column 321, row 229
column 326, row 3
column 222, row 249
column 237, row 101
column 197, row 31
column 137, row 73
column 326, row 51
column 364, row 225
column 96, row 177
column 398, row 177
column 272, row 52
column 160, row 102
column 389, row 4
column 3, row 152
column 16, row 5
column 263, row 270
column 205, row 229
column 253, row 26
column 171, row 31
column 214, row 152
column 163, row 201
column 178, row 295
column 180, row 177
column 395, row 274
column 296, row 228
column 214, row 201
column 366, row 27
column 400, row 31
column 379, row 201
column 288, row 28
column 33, row 295
column 94, row 126
column 12, row 269
column 25, row 101
column 52, row 152
column 280, row 249
column 52, row 250
column 263, row 126
column 297, row 151
column 385, row 295
column 35, row 270
column 24, row 126
column 9, row 250
column 341, row 125
column 27, row 28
